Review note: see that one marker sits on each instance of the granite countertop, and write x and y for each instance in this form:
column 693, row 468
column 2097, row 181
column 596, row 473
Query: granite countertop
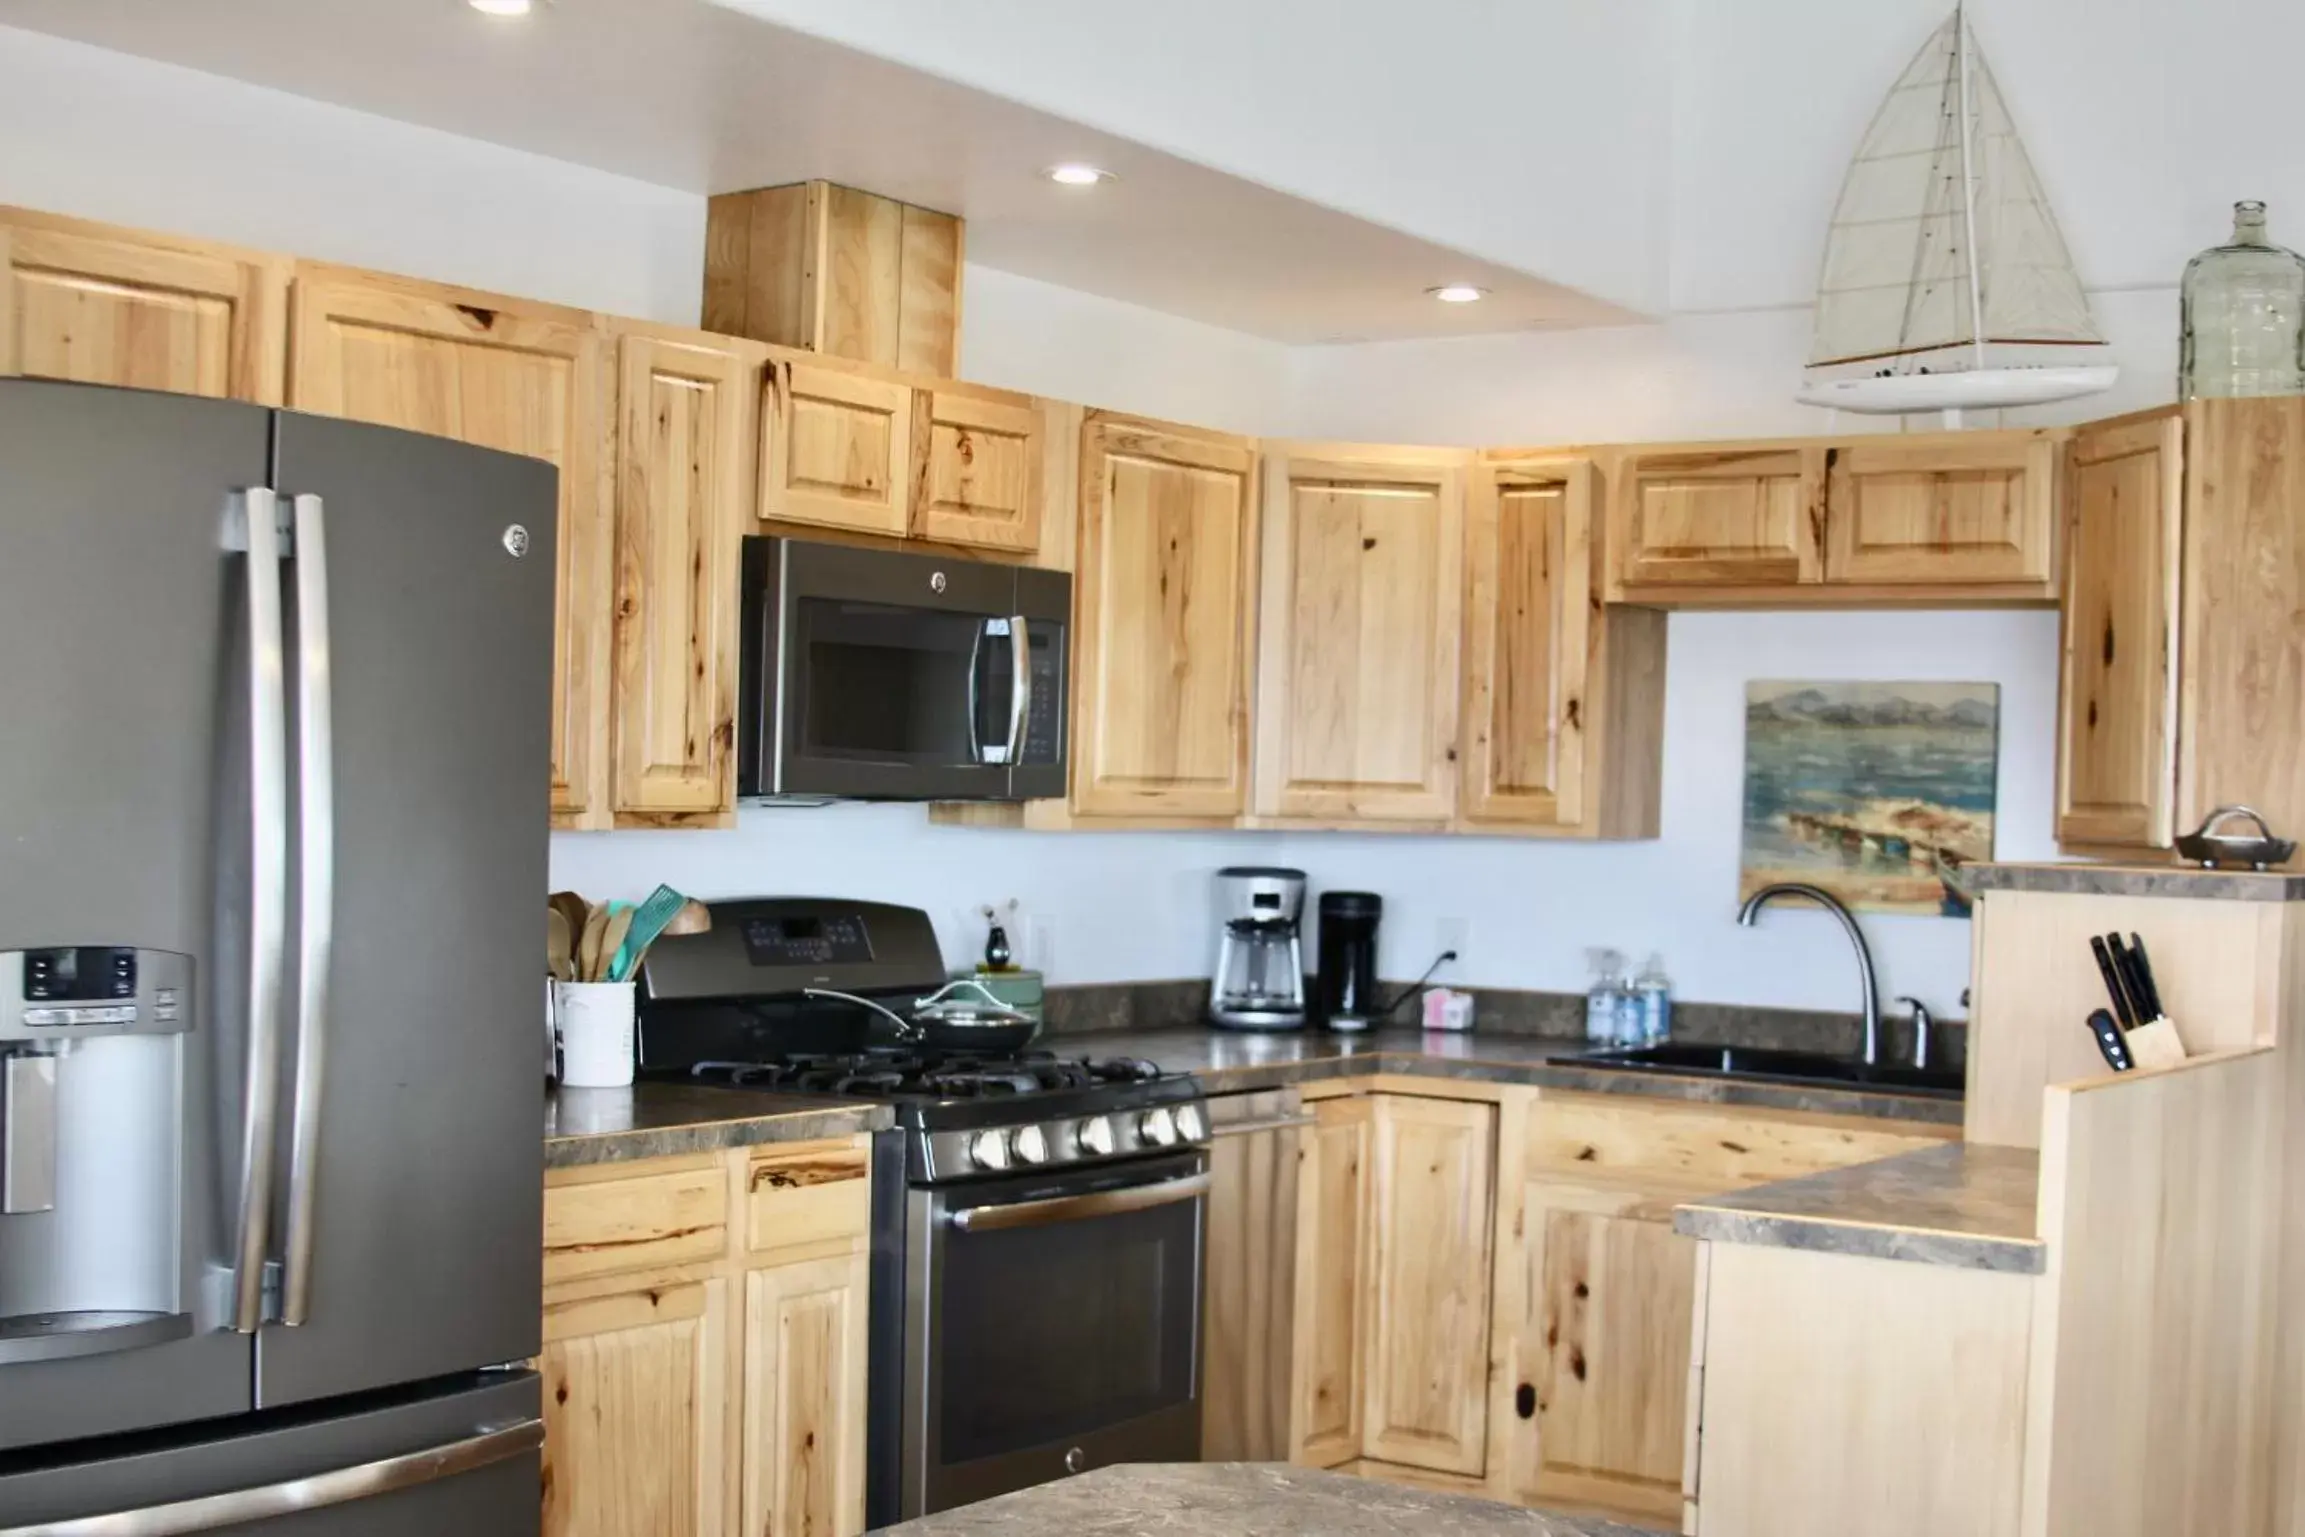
column 1226, row 1061
column 1243, row 1499
column 2077, row 878
column 1963, row 1204
column 657, row 1120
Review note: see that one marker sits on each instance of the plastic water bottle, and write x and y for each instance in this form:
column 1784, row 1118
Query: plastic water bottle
column 1604, row 1001
column 1652, row 995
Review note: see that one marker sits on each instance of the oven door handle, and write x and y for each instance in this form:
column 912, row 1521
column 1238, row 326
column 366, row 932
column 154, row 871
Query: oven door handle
column 1068, row 1208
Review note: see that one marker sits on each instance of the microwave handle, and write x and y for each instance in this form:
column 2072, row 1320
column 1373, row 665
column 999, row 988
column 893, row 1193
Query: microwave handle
column 976, row 752
column 1020, row 686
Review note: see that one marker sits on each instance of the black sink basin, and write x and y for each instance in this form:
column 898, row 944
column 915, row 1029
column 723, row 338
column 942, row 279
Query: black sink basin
column 1767, row 1066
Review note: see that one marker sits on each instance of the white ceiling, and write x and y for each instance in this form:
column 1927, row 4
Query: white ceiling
column 689, row 95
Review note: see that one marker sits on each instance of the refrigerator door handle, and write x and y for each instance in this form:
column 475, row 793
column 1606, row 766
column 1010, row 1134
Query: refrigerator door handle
column 240, row 1508
column 316, row 901
column 259, row 534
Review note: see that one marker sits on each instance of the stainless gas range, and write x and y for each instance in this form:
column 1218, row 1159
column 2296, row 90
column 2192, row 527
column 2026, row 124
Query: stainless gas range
column 1038, row 1219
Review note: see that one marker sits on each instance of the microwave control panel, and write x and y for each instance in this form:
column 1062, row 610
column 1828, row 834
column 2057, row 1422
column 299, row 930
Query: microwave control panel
column 1044, row 722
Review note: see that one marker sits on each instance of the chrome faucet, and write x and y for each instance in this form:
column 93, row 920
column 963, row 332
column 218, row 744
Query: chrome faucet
column 1923, row 1022
column 1832, row 904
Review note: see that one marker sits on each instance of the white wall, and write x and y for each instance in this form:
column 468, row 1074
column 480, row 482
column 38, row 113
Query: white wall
column 87, row 131
column 1474, row 123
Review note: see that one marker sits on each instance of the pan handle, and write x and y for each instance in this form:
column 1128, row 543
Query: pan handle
column 905, row 1028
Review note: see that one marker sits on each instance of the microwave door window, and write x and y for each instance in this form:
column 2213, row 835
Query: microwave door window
column 901, row 686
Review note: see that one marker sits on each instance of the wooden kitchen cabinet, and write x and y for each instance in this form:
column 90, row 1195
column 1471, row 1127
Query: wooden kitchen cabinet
column 1332, row 1268
column 1719, row 515
column 99, row 304
column 685, row 429
column 507, row 374
column 1248, row 1304
column 836, row 448
column 977, row 475
column 2124, row 504
column 636, row 1410
column 1563, row 698
column 1360, row 618
column 705, row 1334
column 1943, row 509
column 1163, row 594
column 1432, row 1199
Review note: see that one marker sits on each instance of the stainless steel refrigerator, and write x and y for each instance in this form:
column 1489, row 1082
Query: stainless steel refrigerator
column 275, row 699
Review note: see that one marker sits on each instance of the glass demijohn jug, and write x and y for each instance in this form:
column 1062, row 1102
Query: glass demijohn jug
column 2244, row 316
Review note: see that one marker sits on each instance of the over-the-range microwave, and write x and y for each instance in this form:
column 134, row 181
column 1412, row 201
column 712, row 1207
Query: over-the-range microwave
column 871, row 674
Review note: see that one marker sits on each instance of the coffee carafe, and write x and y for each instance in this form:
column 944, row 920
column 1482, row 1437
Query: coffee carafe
column 1260, row 976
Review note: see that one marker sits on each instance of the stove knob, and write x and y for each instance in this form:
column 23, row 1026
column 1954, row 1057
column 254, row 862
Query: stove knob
column 1031, row 1144
column 989, row 1150
column 1158, row 1127
column 1190, row 1125
column 1094, row 1138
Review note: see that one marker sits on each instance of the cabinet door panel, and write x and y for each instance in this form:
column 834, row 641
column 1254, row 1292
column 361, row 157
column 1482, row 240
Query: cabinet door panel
column 1721, row 517
column 1362, row 607
column 1332, row 1271
column 979, row 472
column 1163, row 592
column 1613, row 1360
column 804, row 1415
column 1247, row 1314
column 1962, row 509
column 1529, row 612
column 2116, row 759
column 838, row 448
column 635, row 1399
column 97, row 305
column 1427, row 1335
column 684, row 434
column 504, row 374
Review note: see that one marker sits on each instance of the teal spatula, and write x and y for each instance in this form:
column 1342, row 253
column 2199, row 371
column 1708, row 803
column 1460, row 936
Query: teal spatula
column 648, row 921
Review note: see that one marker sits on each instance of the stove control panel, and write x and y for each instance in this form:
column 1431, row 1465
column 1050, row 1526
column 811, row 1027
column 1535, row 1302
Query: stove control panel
column 1063, row 1141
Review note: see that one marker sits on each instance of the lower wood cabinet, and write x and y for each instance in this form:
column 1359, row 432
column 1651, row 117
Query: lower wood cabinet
column 1489, row 1295
column 1248, row 1298
column 704, row 1344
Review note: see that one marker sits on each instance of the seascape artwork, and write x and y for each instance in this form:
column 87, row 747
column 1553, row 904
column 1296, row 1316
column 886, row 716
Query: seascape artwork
column 1873, row 791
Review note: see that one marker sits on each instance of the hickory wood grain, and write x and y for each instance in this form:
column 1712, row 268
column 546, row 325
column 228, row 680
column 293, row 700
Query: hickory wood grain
column 2117, row 677
column 836, row 448
column 976, row 468
column 507, row 374
column 1332, row 1277
column 1944, row 509
column 684, row 462
column 98, row 304
column 1247, row 1315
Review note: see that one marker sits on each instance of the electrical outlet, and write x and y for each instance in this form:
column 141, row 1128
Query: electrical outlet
column 1450, row 934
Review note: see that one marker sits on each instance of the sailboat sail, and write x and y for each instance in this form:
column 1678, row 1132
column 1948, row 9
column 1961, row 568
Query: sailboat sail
column 1898, row 259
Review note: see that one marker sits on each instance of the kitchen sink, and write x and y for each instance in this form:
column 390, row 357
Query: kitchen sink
column 1764, row 1065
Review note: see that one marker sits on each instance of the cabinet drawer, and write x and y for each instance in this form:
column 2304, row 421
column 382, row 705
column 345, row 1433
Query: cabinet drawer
column 807, row 1194
column 599, row 1227
column 1587, row 1137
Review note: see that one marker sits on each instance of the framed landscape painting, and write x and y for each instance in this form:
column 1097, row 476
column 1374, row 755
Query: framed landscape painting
column 1873, row 791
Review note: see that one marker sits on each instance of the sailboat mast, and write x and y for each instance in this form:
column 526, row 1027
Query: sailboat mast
column 1969, row 252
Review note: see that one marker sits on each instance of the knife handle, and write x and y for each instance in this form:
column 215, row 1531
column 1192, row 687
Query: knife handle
column 2148, row 985
column 2110, row 1041
column 2115, row 984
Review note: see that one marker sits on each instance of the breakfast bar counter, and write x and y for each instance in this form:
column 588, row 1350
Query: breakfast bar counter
column 1243, row 1499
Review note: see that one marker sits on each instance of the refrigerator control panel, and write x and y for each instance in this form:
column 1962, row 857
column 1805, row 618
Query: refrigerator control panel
column 66, row 992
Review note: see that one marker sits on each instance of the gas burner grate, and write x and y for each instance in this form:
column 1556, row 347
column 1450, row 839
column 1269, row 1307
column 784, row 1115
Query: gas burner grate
column 944, row 1075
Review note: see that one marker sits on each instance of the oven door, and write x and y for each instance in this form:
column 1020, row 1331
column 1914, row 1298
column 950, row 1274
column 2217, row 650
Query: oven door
column 1053, row 1326
column 880, row 675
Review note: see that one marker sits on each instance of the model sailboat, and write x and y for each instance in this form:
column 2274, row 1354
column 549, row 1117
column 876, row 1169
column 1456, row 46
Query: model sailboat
column 1943, row 256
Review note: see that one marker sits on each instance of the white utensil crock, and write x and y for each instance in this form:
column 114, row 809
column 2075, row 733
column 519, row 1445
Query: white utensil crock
column 595, row 1033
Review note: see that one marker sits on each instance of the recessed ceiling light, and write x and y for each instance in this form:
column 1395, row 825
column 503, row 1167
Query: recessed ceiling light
column 1458, row 293
column 502, row 7
column 1074, row 174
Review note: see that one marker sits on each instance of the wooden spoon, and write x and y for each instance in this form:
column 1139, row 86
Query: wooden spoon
column 575, row 909
column 588, row 951
column 612, row 942
column 557, row 944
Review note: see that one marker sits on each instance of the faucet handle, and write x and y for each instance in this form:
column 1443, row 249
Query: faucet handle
column 1922, row 1021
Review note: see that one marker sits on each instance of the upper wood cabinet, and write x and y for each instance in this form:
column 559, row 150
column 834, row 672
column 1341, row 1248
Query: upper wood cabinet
column 685, row 428
column 1427, row 1329
column 1724, row 515
column 95, row 304
column 1163, row 588
column 2116, row 761
column 1942, row 508
column 507, row 374
column 837, row 448
column 978, row 475
column 1529, row 613
column 1360, row 615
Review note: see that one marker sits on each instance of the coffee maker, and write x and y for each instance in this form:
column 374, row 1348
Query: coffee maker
column 1260, row 979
